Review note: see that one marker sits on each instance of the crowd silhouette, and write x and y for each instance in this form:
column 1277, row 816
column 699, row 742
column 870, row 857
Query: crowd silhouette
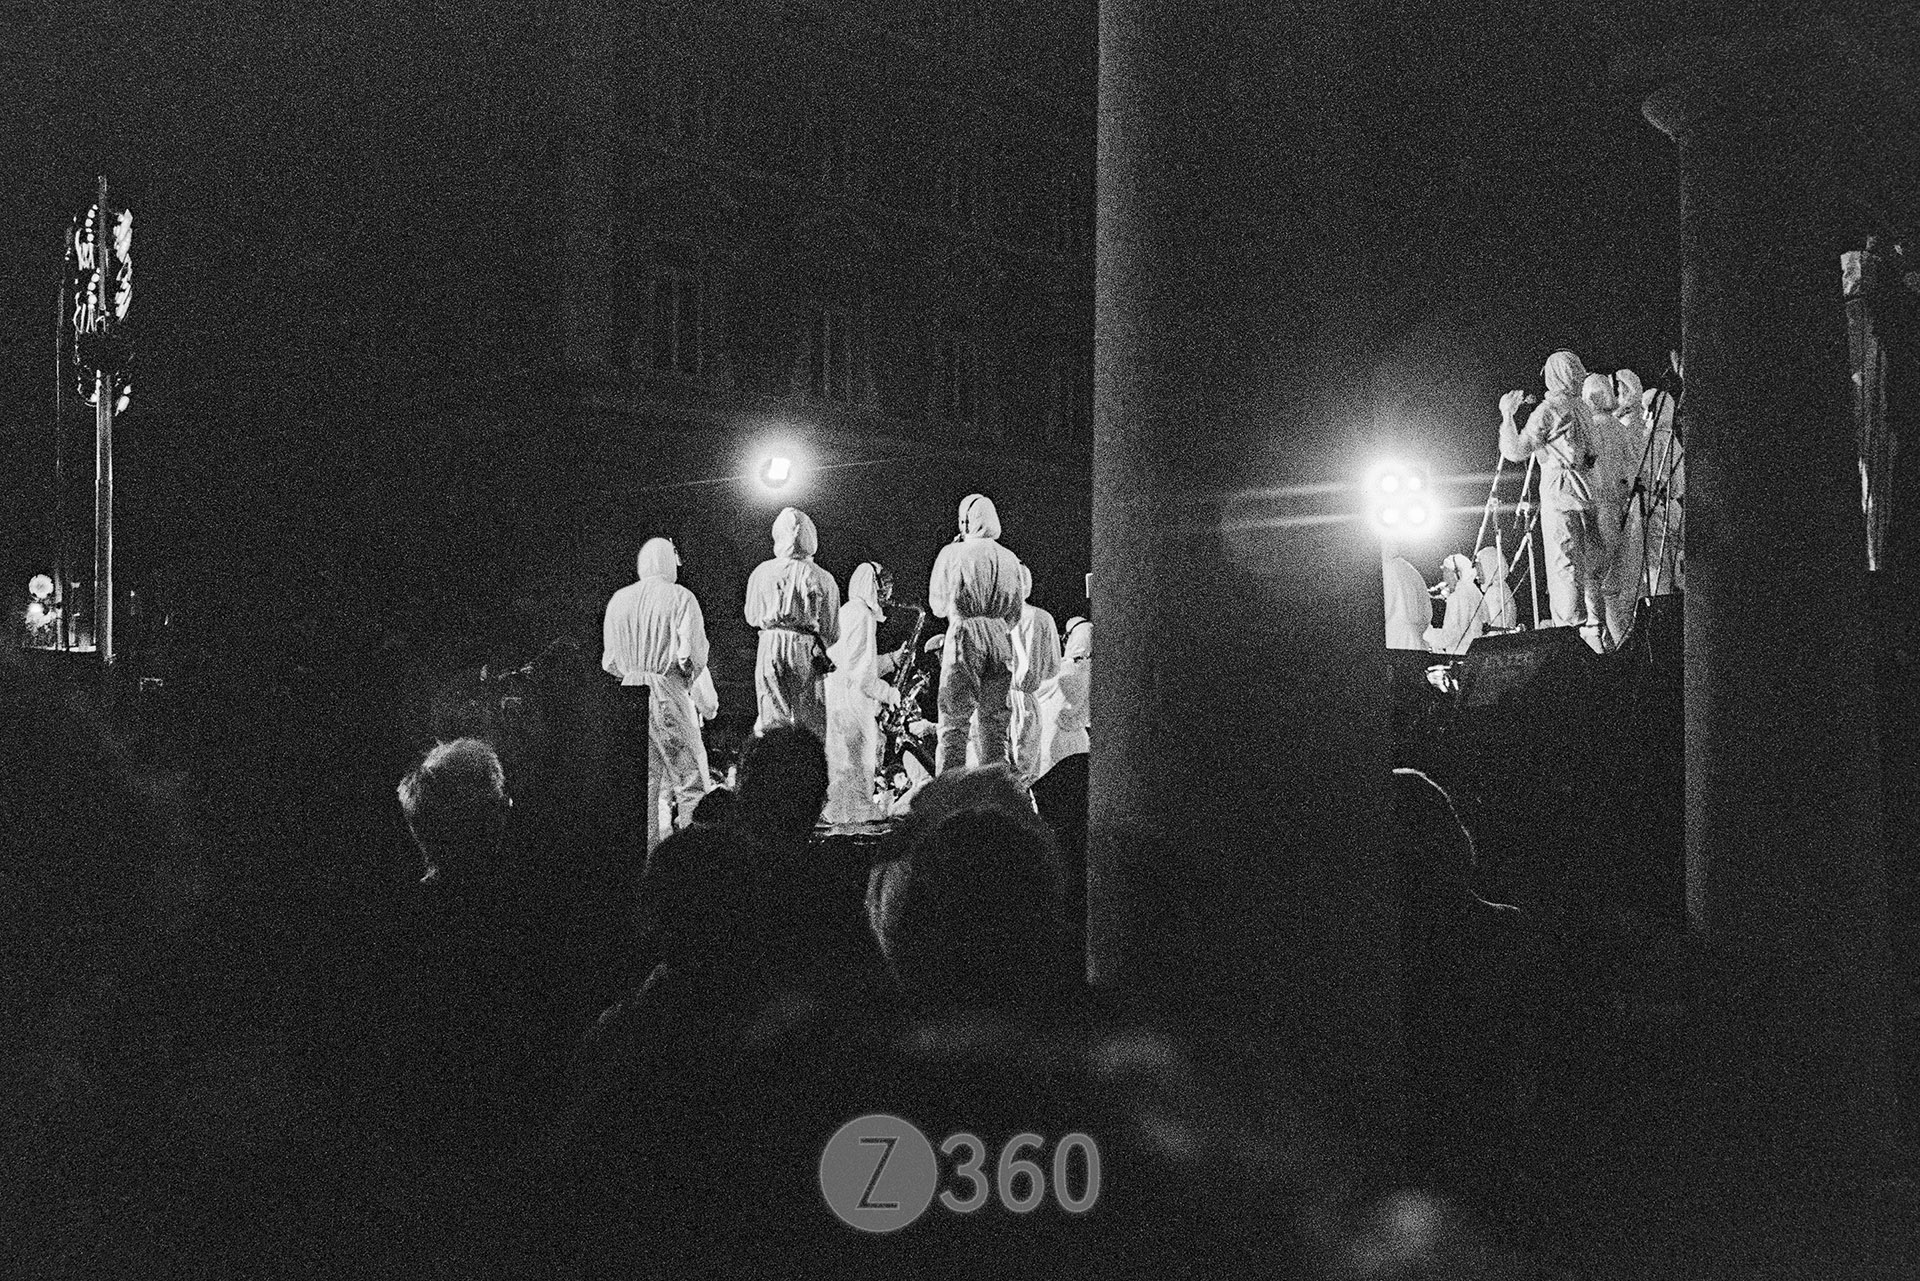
column 525, row 1047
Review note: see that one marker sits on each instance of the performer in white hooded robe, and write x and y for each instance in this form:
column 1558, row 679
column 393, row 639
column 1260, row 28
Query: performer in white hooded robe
column 1409, row 610
column 1062, row 702
column 1036, row 660
column 1618, row 463
column 1559, row 436
column 1502, row 613
column 655, row 635
column 796, row 606
column 1466, row 615
column 855, row 695
column 975, row 585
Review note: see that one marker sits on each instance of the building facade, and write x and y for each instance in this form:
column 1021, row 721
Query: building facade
column 863, row 228
column 877, row 214
column 452, row 305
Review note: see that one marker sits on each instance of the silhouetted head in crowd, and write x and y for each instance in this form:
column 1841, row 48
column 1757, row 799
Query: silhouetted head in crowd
column 456, row 804
column 1430, row 839
column 710, row 901
column 1431, row 844
column 716, row 807
column 968, row 908
column 783, row 784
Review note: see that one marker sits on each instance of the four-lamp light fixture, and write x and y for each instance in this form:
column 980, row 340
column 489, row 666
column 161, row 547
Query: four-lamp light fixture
column 1399, row 500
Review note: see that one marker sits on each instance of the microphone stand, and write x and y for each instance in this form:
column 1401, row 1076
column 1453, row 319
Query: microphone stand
column 1487, row 516
column 1638, row 499
column 1533, row 523
column 1486, row 513
column 1655, row 504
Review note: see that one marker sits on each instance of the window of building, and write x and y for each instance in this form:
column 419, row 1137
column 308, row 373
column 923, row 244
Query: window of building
column 797, row 13
column 673, row 334
column 830, row 356
column 839, row 158
column 956, row 378
column 957, row 180
column 957, row 23
column 685, row 106
column 890, row 165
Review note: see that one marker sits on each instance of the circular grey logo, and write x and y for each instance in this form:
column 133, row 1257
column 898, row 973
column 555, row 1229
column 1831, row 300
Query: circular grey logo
column 878, row 1173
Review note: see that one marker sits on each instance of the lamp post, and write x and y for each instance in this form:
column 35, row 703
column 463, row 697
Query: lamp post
column 100, row 280
column 103, row 441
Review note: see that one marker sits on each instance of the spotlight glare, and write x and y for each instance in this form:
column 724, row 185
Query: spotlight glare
column 776, row 471
column 1413, row 481
column 1417, row 514
column 1389, row 483
column 1390, row 516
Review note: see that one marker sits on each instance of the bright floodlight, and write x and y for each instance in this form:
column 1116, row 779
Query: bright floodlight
column 1396, row 498
column 777, row 466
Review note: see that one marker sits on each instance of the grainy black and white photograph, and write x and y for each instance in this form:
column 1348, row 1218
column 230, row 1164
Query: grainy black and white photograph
column 549, row 717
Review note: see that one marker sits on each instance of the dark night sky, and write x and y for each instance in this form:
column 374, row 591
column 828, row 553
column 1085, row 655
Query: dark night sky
column 1522, row 207
column 305, row 171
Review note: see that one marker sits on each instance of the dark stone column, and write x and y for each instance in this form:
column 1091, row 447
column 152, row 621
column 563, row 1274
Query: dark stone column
column 1239, row 774
column 1786, row 885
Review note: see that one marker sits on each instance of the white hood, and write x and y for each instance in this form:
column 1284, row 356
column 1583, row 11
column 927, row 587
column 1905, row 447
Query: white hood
column 978, row 517
column 864, row 587
column 1565, row 374
column 1077, row 639
column 794, row 537
column 658, row 559
column 1598, row 390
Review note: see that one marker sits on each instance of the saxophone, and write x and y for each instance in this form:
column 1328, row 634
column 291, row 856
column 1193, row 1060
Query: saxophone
column 909, row 682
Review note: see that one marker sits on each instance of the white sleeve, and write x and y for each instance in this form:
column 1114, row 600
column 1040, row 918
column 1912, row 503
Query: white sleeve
column 690, row 637
column 939, row 583
column 830, row 617
column 758, row 608
column 706, row 699
column 609, row 659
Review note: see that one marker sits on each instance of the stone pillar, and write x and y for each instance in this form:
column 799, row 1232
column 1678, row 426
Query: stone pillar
column 1786, row 886
column 1239, row 773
